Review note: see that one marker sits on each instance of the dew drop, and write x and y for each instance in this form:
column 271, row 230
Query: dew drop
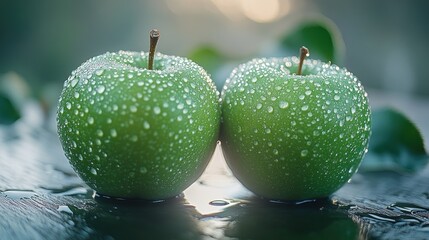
column 276, row 152
column 258, row 106
column 270, row 109
column 336, row 97
column 94, row 171
column 143, row 170
column 68, row 105
column 74, row 82
column 304, row 108
column 101, row 88
column 113, row 133
column 100, row 133
column 157, row 110
column 146, row 125
column 283, row 104
column 133, row 108
column 308, row 92
column 76, row 94
column 91, row 120
column 99, row 72
column 130, row 75
column 134, row 138
column 180, row 106
column 304, row 153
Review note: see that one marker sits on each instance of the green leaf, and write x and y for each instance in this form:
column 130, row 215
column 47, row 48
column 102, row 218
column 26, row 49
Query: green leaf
column 8, row 111
column 320, row 36
column 208, row 57
column 395, row 144
column 14, row 93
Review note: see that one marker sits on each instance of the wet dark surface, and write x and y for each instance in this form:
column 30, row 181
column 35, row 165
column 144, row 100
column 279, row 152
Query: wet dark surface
column 42, row 198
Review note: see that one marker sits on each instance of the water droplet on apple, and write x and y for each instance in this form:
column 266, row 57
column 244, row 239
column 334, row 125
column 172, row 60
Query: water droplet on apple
column 90, row 120
column 270, row 109
column 68, row 105
column 143, row 170
column 337, row 97
column 259, row 106
column 74, row 82
column 130, row 75
column 304, row 108
column 133, row 108
column 134, row 138
column 283, row 104
column 100, row 133
column 76, row 94
column 101, row 88
column 308, row 92
column 113, row 133
column 157, row 110
column 146, row 125
column 99, row 72
column 93, row 171
column 304, row 153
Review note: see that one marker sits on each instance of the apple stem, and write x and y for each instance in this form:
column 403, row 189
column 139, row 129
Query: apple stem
column 303, row 52
column 154, row 36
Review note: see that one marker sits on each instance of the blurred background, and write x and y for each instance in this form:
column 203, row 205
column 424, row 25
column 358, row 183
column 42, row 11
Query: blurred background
column 383, row 43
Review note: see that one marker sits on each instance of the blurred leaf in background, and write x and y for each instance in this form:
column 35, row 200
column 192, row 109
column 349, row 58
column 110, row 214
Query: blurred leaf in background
column 318, row 33
column 395, row 144
column 14, row 92
column 319, row 37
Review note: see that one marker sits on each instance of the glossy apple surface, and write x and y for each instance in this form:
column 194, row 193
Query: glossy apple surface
column 131, row 132
column 292, row 137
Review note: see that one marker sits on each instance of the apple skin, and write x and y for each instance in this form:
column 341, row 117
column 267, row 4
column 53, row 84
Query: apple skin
column 130, row 132
column 293, row 137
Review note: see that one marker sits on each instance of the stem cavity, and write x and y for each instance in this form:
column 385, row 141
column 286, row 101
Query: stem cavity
column 154, row 36
column 303, row 52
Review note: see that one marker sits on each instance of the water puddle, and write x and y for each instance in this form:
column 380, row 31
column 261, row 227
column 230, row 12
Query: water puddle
column 18, row 194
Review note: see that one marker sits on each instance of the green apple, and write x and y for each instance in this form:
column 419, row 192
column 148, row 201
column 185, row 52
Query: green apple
column 131, row 129
column 293, row 129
